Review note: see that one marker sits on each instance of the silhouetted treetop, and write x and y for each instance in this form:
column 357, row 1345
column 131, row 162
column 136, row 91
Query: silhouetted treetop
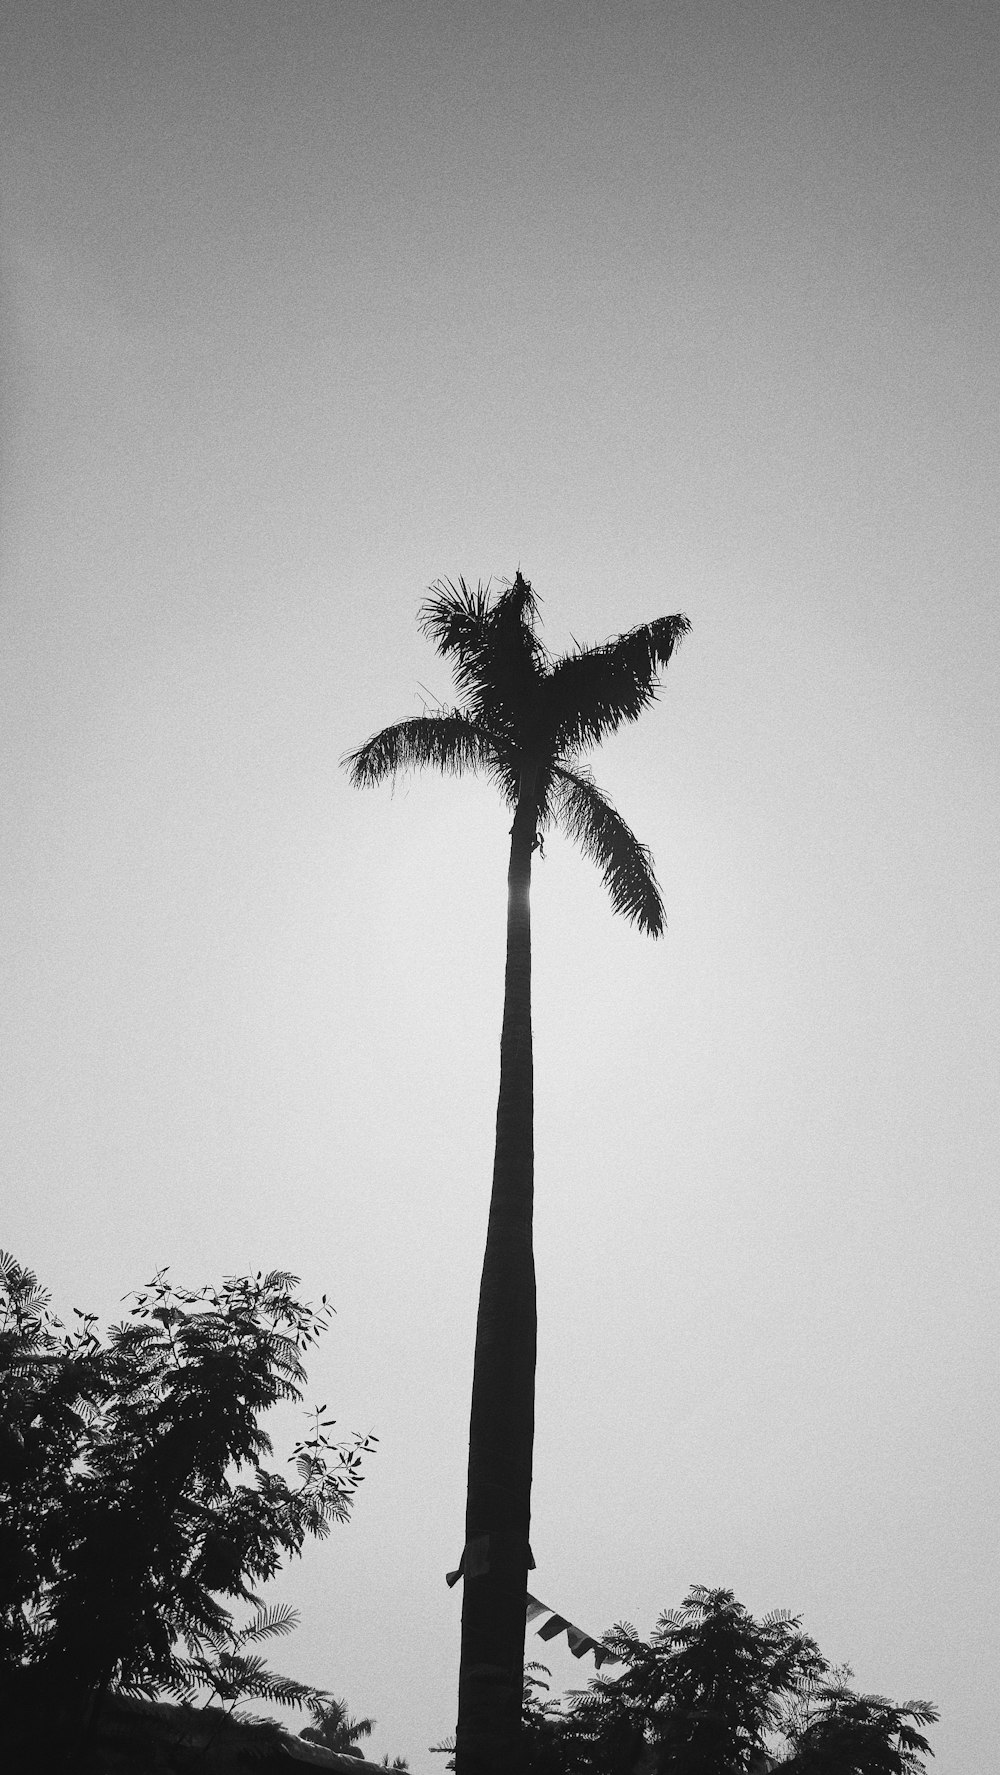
column 525, row 718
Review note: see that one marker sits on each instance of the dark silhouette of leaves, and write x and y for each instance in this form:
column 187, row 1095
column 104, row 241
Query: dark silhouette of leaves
column 527, row 718
column 135, row 1507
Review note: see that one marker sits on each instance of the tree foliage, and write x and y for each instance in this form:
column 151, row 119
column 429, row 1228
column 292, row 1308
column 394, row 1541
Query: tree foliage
column 526, row 716
column 709, row 1686
column 715, row 1692
column 137, row 1511
column 848, row 1734
column 334, row 1728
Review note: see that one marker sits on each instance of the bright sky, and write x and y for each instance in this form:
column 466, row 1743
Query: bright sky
column 687, row 305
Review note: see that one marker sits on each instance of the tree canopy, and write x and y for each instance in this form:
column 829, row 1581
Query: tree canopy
column 525, row 718
column 138, row 1514
column 713, row 1691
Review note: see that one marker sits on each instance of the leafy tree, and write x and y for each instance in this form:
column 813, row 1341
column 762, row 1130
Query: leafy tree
column 851, row 1734
column 549, row 1742
column 127, row 1533
column 707, row 1690
column 716, row 1692
column 524, row 721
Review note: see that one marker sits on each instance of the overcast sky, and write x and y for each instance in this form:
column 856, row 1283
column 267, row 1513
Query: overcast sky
column 676, row 306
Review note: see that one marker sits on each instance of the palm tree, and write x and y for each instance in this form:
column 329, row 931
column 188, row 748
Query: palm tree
column 524, row 720
column 334, row 1728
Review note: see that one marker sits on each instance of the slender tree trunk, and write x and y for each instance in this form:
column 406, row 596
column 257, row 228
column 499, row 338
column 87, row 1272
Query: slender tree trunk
column 501, row 1431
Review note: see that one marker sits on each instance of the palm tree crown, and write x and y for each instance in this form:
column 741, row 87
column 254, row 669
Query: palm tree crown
column 525, row 718
column 334, row 1728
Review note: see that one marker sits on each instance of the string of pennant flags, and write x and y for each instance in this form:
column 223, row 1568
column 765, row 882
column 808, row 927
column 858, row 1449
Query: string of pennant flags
column 580, row 1643
column 475, row 1559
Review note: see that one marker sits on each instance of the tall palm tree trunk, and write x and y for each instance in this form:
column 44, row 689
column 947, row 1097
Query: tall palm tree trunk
column 501, row 1431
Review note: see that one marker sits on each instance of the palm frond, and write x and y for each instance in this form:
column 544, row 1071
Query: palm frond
column 333, row 1727
column 279, row 1619
column 237, row 1675
column 450, row 742
column 495, row 654
column 586, row 815
column 592, row 692
column 923, row 1712
column 454, row 618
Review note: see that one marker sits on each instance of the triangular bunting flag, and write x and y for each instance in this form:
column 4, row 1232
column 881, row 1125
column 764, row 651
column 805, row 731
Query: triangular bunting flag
column 475, row 1559
column 580, row 1643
